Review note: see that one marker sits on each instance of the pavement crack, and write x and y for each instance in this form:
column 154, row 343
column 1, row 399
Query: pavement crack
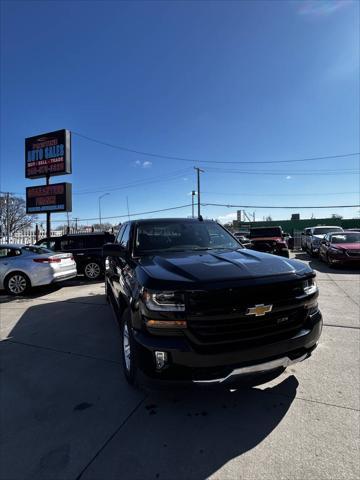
column 341, row 326
column 56, row 350
column 133, row 411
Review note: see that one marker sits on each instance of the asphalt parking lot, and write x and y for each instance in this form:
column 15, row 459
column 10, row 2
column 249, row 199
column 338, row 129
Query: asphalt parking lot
column 67, row 413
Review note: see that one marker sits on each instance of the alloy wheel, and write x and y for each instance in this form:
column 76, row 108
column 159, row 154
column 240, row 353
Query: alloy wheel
column 17, row 284
column 92, row 270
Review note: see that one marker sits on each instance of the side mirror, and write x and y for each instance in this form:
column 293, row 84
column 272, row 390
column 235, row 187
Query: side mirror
column 113, row 250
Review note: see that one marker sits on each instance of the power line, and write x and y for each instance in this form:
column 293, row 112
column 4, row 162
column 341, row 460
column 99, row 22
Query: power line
column 341, row 171
column 195, row 160
column 131, row 214
column 277, row 206
column 159, row 179
column 282, row 194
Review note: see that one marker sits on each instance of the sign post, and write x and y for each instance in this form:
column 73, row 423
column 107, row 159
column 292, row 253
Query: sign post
column 48, row 155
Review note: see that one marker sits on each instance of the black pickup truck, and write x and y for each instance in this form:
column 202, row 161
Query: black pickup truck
column 195, row 306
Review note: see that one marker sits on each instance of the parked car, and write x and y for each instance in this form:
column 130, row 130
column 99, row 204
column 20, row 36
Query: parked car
column 269, row 240
column 341, row 248
column 245, row 241
column 193, row 311
column 304, row 234
column 313, row 239
column 23, row 267
column 86, row 249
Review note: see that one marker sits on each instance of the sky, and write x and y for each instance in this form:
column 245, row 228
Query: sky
column 230, row 81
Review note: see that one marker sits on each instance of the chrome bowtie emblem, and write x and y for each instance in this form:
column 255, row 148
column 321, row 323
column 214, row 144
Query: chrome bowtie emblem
column 259, row 310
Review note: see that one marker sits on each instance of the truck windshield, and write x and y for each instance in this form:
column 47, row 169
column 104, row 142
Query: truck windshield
column 182, row 236
column 265, row 232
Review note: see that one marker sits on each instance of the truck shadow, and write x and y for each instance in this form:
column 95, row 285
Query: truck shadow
column 69, row 350
column 195, row 433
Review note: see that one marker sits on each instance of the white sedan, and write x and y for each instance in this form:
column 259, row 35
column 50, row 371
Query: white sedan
column 23, row 267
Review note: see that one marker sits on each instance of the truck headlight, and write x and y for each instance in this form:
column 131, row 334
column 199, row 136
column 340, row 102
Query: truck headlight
column 164, row 301
column 309, row 286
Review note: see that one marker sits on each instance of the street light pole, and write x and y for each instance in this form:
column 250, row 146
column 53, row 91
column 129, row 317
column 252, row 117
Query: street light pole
column 101, row 196
column 192, row 202
column 198, row 170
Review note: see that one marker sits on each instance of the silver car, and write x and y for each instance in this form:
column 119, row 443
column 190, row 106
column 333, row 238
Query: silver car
column 23, row 267
column 316, row 234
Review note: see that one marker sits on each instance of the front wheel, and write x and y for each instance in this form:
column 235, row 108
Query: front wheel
column 17, row 283
column 128, row 350
column 92, row 270
column 330, row 262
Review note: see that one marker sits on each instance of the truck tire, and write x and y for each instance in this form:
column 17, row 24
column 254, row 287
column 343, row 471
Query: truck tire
column 128, row 350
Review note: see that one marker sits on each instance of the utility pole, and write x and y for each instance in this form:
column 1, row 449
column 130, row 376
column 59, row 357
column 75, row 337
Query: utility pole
column 7, row 217
column 193, row 193
column 198, row 170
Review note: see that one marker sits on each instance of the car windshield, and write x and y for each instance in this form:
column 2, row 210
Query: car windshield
column 345, row 238
column 265, row 232
column 324, row 230
column 182, row 236
column 38, row 250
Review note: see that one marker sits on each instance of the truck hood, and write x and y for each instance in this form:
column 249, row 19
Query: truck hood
column 205, row 267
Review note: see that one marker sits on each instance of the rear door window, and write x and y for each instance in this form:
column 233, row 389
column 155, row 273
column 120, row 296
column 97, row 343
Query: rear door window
column 94, row 241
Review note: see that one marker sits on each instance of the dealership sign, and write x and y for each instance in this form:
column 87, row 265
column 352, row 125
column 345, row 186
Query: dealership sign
column 49, row 198
column 48, row 154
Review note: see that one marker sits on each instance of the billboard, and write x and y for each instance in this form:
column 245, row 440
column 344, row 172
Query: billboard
column 48, row 154
column 49, row 198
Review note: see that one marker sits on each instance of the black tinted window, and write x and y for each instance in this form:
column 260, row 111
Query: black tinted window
column 72, row 244
column 94, row 241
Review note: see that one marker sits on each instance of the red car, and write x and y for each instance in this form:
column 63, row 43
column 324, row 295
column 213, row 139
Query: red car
column 341, row 248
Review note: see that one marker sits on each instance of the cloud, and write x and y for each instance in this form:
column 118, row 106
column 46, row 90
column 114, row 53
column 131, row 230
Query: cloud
column 145, row 164
column 227, row 218
column 289, row 177
column 321, row 8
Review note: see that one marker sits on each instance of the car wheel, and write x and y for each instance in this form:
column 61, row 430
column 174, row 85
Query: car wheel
column 330, row 262
column 17, row 283
column 128, row 351
column 92, row 271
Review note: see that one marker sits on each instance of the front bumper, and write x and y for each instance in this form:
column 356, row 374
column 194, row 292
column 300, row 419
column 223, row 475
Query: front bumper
column 186, row 364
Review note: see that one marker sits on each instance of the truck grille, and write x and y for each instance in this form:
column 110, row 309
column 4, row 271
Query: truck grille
column 220, row 316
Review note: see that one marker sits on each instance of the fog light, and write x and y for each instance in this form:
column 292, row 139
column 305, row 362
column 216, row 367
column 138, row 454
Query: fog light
column 160, row 360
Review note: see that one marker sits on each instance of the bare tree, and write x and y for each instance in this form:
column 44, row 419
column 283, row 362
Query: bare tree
column 13, row 217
